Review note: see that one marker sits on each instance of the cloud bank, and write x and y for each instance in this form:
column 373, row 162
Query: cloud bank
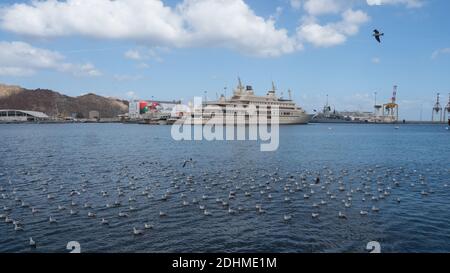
column 22, row 59
column 228, row 24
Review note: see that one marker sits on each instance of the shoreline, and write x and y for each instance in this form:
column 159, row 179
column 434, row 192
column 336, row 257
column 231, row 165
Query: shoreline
column 141, row 123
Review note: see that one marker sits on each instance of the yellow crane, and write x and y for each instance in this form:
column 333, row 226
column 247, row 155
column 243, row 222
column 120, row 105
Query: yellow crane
column 390, row 110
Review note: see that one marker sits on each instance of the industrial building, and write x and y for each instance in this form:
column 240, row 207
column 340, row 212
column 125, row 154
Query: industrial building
column 21, row 116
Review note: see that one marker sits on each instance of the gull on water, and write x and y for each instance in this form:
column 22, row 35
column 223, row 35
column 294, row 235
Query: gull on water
column 137, row 231
column 32, row 243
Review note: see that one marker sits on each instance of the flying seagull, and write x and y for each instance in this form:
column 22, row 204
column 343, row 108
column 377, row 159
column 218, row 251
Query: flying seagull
column 377, row 35
column 187, row 161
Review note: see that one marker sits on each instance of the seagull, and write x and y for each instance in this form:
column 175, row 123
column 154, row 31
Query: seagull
column 206, row 212
column 123, row 214
column 137, row 231
column 342, row 215
column 17, row 227
column 32, row 243
column 148, row 226
column 186, row 162
column 377, row 35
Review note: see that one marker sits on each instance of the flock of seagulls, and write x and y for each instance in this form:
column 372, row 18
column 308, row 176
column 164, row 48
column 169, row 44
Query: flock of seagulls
column 188, row 188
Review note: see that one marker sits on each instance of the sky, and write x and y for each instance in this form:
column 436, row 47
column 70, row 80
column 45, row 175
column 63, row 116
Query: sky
column 178, row 49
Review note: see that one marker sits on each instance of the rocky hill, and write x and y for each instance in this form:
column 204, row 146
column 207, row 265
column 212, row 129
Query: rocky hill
column 55, row 104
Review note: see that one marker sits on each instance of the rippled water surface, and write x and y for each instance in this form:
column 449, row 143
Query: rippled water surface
column 254, row 201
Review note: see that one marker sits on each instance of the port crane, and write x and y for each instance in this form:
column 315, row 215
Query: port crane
column 390, row 110
column 377, row 107
column 437, row 110
column 447, row 110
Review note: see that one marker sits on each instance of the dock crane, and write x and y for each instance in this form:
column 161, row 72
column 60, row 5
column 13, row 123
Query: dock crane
column 437, row 110
column 390, row 110
column 447, row 110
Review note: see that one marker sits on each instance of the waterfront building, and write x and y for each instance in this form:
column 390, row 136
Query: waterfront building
column 9, row 115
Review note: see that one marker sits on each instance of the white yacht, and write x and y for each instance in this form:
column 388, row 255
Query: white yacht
column 288, row 111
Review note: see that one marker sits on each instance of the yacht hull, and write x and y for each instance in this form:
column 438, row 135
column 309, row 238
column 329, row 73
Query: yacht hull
column 302, row 119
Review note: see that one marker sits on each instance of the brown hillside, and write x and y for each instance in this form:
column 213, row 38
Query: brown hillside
column 53, row 103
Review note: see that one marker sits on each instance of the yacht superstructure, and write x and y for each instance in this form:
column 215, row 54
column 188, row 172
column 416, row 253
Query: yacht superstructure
column 269, row 105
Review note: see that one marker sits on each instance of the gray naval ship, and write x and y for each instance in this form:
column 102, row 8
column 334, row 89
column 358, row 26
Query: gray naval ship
column 328, row 115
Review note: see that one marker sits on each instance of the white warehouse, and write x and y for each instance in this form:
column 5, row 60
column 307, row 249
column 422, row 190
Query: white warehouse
column 21, row 116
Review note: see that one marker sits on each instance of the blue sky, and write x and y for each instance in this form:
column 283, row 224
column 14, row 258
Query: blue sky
column 177, row 49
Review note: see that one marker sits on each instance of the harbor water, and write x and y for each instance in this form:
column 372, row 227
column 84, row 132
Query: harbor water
column 328, row 188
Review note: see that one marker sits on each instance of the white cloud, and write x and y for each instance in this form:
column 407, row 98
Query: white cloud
column 408, row 3
column 22, row 59
column 322, row 36
column 296, row 4
column 277, row 14
column 232, row 24
column 135, row 19
column 439, row 52
column 86, row 70
column 143, row 65
column 131, row 95
column 143, row 54
column 221, row 23
column 133, row 55
column 15, row 71
column 335, row 33
column 376, row 60
column 228, row 24
column 127, row 77
column 318, row 7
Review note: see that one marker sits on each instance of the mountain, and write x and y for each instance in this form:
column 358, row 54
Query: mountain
column 55, row 104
